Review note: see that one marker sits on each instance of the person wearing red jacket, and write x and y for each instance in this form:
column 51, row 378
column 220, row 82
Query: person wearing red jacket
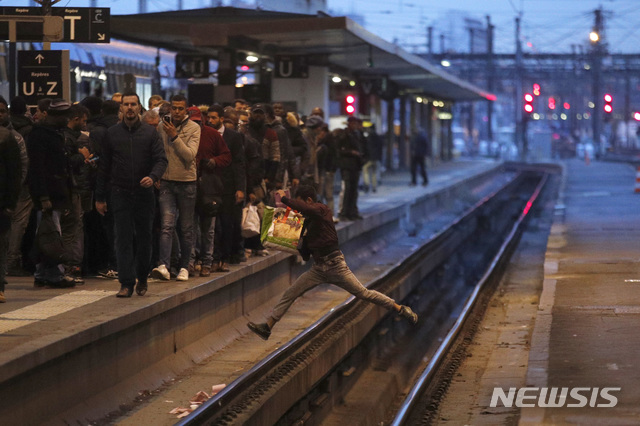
column 320, row 240
column 213, row 156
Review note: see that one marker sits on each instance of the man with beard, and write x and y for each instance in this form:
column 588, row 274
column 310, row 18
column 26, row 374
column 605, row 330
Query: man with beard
column 269, row 140
column 177, row 198
column 133, row 159
column 49, row 183
column 285, row 169
column 212, row 159
column 228, row 238
column 78, row 154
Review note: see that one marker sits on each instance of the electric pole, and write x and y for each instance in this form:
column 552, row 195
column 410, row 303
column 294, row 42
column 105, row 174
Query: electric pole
column 597, row 51
column 521, row 129
column 490, row 77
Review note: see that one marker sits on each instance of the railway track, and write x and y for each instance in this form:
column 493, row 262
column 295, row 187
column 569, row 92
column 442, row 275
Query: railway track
column 351, row 365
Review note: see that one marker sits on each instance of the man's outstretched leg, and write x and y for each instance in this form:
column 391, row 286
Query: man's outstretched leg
column 304, row 283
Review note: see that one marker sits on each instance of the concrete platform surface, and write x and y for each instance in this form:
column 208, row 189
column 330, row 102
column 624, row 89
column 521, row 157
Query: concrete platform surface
column 586, row 336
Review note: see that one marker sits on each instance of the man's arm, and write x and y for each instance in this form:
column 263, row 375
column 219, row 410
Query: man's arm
column 159, row 157
column 104, row 169
column 186, row 143
column 309, row 210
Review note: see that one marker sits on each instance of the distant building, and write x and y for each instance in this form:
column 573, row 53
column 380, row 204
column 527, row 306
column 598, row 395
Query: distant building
column 462, row 33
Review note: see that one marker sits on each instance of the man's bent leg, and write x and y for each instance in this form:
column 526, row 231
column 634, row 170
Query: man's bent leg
column 304, row 283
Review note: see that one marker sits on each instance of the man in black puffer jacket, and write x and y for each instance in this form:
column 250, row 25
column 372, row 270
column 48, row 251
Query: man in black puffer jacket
column 133, row 159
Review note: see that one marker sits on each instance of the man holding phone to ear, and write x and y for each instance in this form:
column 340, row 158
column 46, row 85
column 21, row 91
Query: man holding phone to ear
column 132, row 160
column 177, row 199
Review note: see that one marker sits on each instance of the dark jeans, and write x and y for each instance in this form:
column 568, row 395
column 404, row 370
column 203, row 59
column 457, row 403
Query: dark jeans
column 418, row 161
column 133, row 216
column 228, row 237
column 350, row 201
column 330, row 270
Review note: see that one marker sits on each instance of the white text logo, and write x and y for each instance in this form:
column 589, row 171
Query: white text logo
column 554, row 397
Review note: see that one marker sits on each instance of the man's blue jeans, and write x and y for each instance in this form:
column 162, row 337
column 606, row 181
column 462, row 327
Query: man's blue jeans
column 133, row 217
column 177, row 203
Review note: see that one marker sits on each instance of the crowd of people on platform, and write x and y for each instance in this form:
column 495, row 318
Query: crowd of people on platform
column 159, row 191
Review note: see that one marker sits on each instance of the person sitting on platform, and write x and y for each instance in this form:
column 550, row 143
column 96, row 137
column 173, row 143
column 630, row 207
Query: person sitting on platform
column 319, row 239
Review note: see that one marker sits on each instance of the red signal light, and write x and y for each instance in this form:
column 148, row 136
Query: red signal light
column 566, row 105
column 552, row 103
column 350, row 104
column 608, row 108
column 636, row 115
column 536, row 89
column 528, row 103
column 608, row 98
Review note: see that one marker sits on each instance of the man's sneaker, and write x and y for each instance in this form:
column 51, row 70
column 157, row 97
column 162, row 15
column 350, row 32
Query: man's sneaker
column 408, row 314
column 261, row 330
column 161, row 273
column 183, row 275
column 2, row 298
column 108, row 273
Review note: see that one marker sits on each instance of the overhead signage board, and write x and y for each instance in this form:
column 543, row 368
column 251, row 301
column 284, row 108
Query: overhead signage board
column 43, row 74
column 192, row 66
column 291, row 66
column 81, row 24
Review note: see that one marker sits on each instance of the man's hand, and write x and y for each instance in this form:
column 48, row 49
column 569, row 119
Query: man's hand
column 146, row 182
column 170, row 129
column 295, row 182
column 85, row 152
column 46, row 205
column 281, row 192
column 101, row 207
column 239, row 197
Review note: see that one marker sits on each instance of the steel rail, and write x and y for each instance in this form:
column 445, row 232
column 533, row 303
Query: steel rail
column 215, row 406
column 429, row 372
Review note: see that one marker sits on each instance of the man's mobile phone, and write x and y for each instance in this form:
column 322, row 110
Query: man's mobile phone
column 94, row 158
column 167, row 119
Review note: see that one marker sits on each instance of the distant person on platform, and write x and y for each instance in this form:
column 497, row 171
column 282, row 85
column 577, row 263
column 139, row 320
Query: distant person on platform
column 133, row 159
column 371, row 167
column 419, row 149
column 319, row 239
column 10, row 184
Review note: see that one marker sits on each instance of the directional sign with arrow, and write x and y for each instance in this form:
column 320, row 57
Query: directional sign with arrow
column 43, row 74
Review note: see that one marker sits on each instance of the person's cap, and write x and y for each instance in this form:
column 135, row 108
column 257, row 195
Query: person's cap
column 194, row 113
column 258, row 107
column 314, row 121
column 59, row 105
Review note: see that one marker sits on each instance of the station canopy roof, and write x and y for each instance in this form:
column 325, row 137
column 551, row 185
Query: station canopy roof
column 336, row 42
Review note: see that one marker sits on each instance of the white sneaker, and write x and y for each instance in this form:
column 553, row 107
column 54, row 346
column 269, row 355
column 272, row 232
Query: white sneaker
column 183, row 275
column 161, row 273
